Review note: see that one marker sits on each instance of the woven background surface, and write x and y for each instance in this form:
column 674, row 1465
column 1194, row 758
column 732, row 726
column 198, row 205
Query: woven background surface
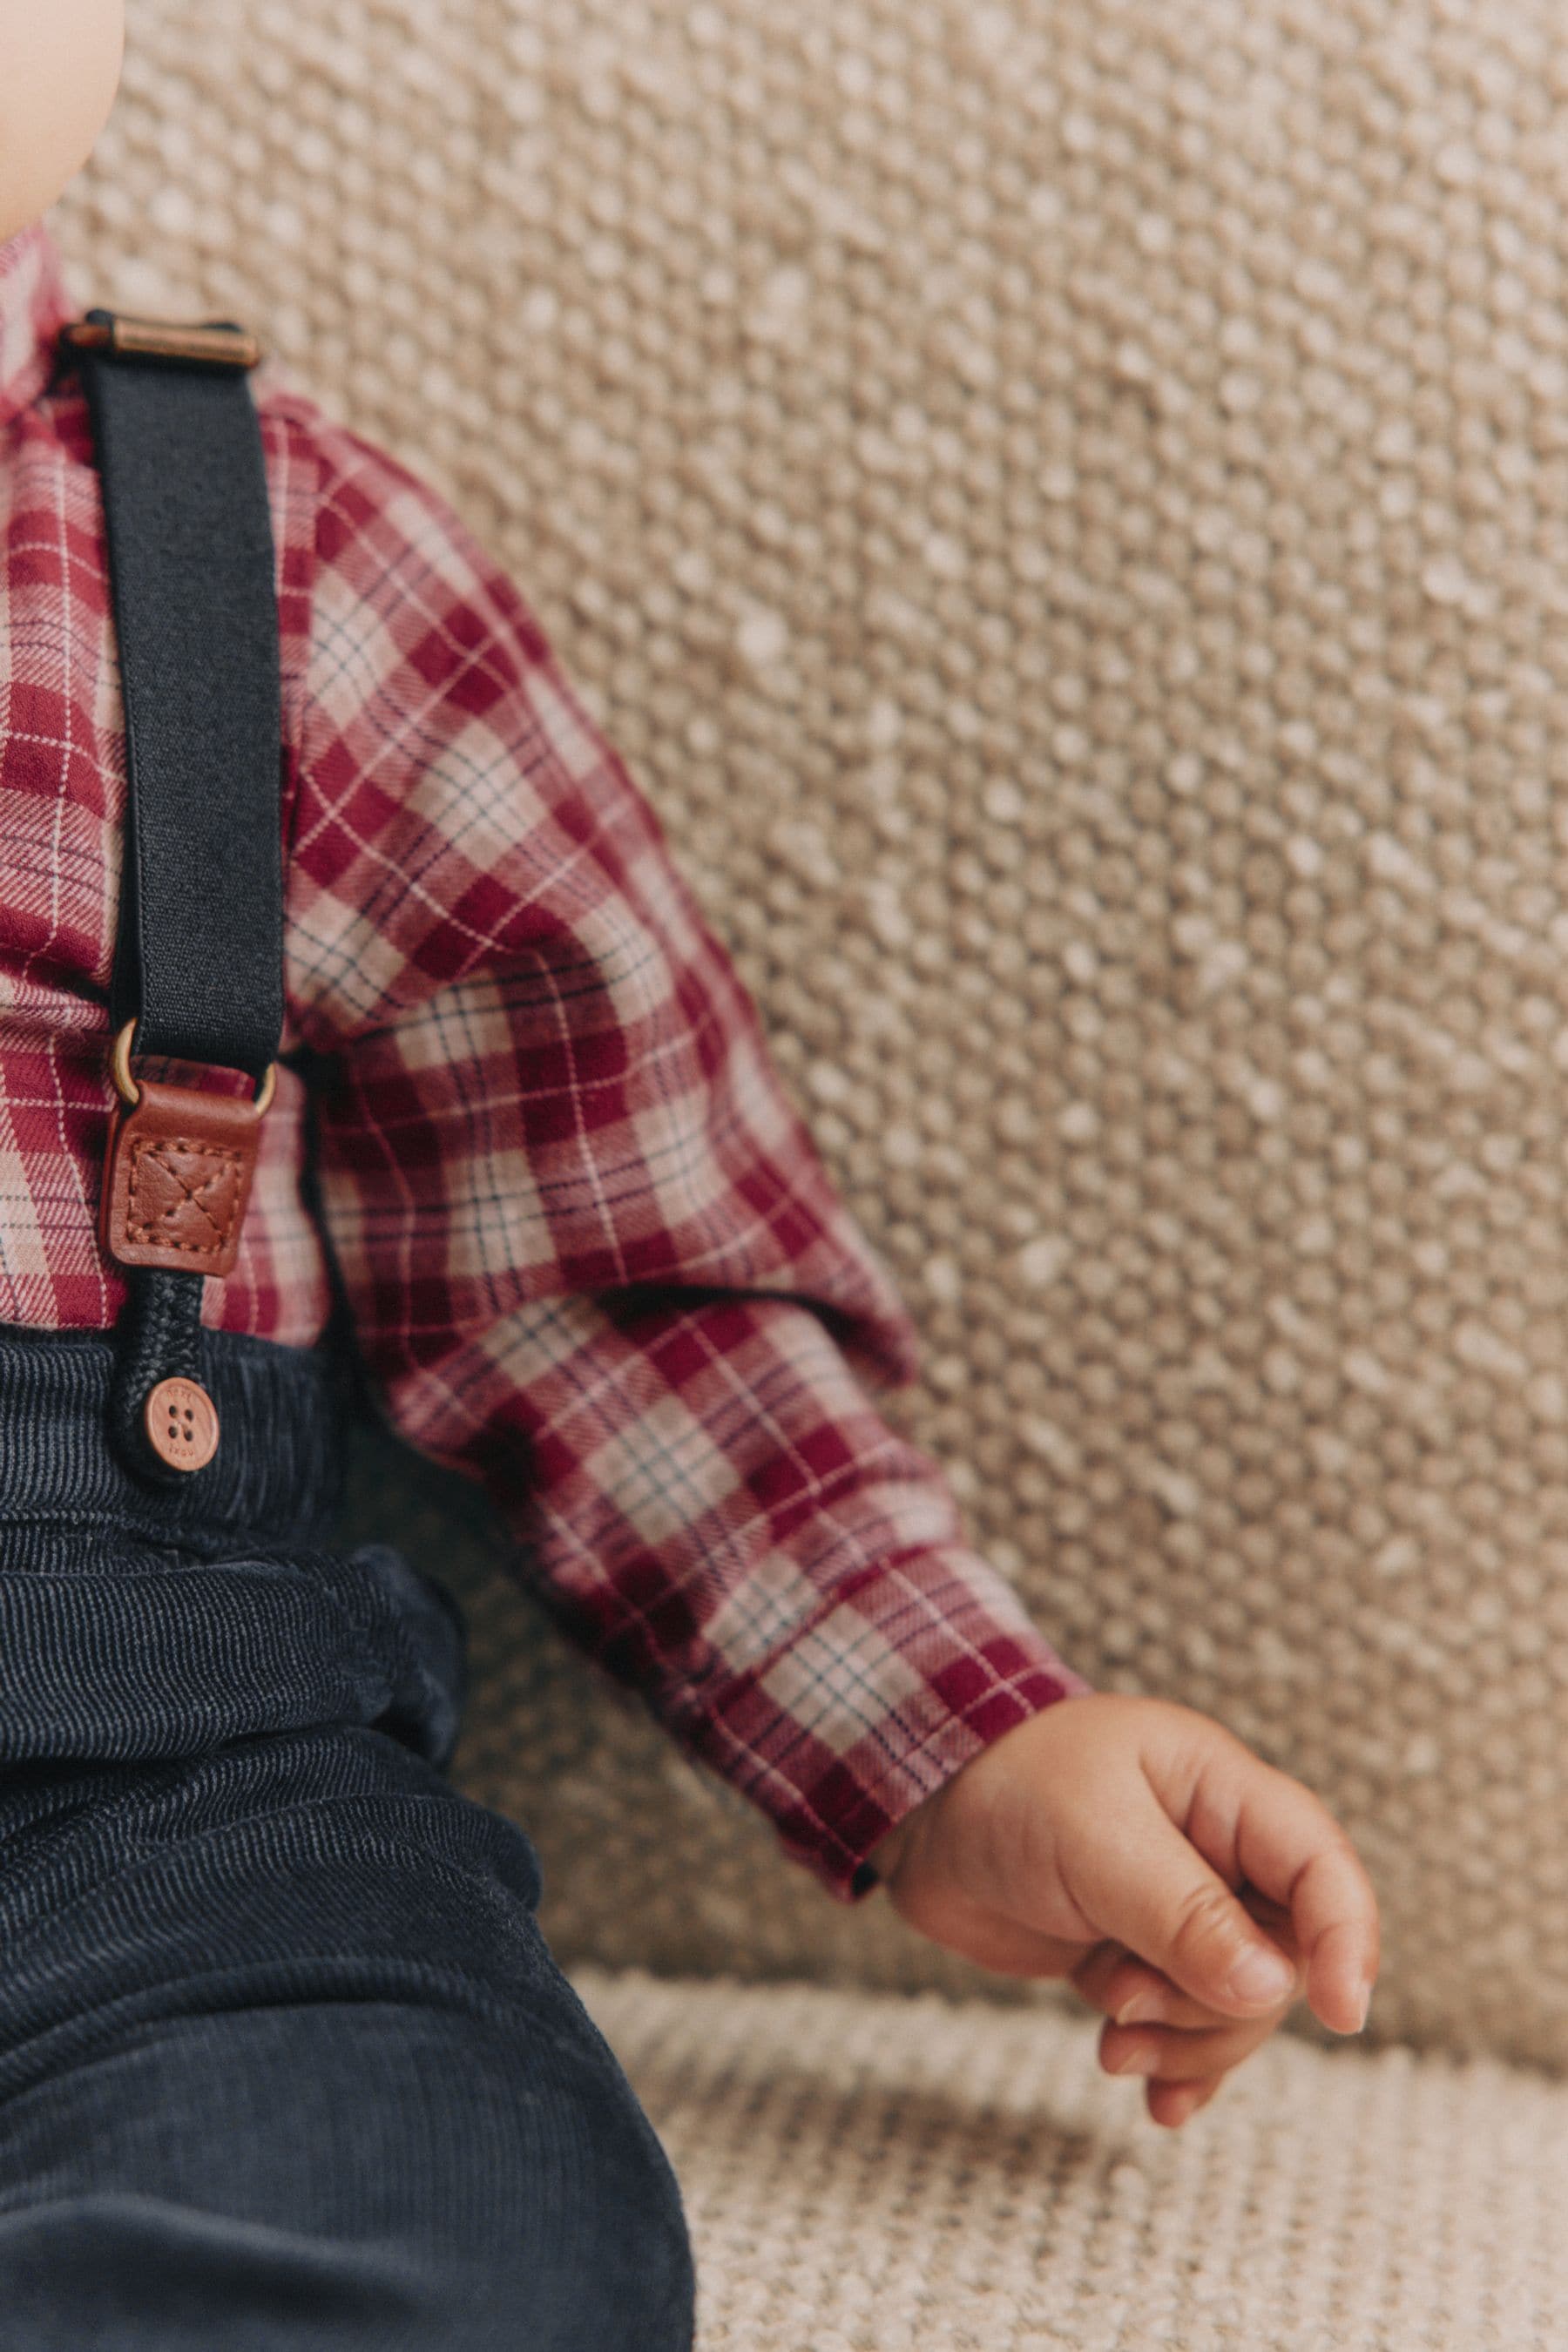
column 867, row 2174
column 1065, row 508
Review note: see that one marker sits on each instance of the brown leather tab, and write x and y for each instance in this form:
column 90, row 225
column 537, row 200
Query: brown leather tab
column 164, row 339
column 178, row 1178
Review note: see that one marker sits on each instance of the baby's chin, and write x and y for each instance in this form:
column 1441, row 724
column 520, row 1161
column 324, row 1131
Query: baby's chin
column 60, row 69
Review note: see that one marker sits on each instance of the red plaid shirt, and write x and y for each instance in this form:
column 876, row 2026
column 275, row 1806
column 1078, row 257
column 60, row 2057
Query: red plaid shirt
column 592, row 1256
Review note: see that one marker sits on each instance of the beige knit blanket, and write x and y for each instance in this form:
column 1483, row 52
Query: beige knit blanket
column 867, row 2174
column 1064, row 506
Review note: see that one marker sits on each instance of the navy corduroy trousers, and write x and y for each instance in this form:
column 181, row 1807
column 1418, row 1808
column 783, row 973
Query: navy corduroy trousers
column 284, row 2059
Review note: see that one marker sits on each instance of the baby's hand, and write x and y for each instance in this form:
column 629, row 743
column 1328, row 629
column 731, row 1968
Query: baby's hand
column 1111, row 1831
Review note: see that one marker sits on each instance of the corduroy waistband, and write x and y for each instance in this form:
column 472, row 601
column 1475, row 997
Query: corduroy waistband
column 276, row 1476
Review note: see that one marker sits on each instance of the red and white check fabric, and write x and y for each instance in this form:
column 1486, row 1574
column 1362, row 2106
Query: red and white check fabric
column 591, row 1254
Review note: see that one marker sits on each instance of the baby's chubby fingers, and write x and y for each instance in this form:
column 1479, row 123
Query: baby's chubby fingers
column 1154, row 2001
column 1172, row 2054
column 1139, row 1827
column 1187, row 1816
column 1130, row 1992
column 1154, row 2030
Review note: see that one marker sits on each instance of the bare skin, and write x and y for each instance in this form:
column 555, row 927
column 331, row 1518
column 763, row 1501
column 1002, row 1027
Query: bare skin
column 60, row 69
column 1140, row 1849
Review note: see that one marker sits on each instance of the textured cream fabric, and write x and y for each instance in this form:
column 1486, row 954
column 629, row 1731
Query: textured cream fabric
column 1064, row 507
column 868, row 2174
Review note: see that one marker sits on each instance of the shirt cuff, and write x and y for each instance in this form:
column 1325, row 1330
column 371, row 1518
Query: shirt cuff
column 909, row 1673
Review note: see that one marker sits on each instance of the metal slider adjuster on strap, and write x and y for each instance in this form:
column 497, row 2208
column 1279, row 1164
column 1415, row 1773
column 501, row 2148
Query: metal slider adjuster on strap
column 176, row 1187
column 160, row 338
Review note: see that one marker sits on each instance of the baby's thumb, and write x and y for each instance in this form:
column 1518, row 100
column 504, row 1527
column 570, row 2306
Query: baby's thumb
column 1159, row 1896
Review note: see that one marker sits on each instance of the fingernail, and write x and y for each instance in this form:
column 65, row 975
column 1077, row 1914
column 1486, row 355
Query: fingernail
column 1139, row 2008
column 1260, row 1976
column 1365, row 2006
column 1135, row 2062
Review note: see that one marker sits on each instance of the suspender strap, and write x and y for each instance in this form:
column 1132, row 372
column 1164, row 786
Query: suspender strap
column 199, row 955
column 198, row 966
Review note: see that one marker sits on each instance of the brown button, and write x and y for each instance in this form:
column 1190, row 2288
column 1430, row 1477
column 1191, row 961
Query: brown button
column 181, row 1422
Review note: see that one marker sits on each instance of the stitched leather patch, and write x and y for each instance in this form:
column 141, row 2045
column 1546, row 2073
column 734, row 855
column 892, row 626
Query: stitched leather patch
column 183, row 1195
column 178, row 1179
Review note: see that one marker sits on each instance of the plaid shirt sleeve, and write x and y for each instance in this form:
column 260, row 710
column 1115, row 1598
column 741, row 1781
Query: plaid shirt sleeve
column 592, row 1256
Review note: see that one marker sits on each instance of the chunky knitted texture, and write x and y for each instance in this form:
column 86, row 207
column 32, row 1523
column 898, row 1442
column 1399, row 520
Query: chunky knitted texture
column 1063, row 506
column 875, row 2174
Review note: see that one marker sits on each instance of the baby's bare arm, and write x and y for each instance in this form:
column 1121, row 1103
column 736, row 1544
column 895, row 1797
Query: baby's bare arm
column 1144, row 1851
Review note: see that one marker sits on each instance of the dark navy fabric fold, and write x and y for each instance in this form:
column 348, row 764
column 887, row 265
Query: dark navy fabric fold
column 283, row 1481
column 285, row 2060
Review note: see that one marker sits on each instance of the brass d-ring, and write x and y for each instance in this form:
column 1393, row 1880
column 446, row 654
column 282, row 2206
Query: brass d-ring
column 131, row 1093
column 120, row 1065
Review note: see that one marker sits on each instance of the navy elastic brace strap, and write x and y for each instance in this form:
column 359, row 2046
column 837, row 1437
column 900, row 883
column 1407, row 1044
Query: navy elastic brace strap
column 198, row 955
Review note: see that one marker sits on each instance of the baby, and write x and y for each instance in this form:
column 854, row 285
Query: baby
column 589, row 1256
